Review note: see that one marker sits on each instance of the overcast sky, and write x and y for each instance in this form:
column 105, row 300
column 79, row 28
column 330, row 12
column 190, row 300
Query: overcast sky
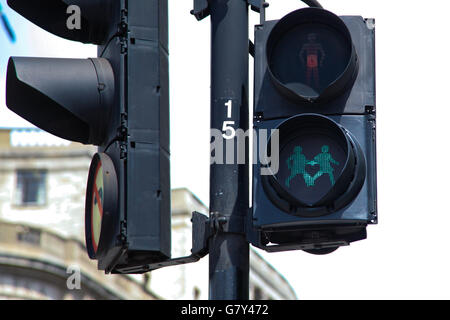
column 407, row 255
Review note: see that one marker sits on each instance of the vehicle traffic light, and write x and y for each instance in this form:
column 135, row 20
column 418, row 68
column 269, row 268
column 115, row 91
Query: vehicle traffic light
column 315, row 92
column 118, row 101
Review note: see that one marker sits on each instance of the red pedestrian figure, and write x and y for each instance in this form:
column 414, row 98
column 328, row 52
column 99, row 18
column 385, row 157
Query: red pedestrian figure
column 311, row 51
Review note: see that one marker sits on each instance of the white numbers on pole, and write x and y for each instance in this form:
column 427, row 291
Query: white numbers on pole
column 229, row 105
column 227, row 127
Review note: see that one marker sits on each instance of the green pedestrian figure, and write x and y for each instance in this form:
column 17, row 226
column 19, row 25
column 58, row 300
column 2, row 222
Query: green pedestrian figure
column 324, row 160
column 297, row 164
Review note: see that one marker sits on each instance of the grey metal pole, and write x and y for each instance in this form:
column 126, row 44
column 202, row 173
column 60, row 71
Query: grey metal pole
column 229, row 182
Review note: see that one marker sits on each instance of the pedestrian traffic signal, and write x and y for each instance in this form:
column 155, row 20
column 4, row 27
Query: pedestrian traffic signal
column 314, row 187
column 117, row 101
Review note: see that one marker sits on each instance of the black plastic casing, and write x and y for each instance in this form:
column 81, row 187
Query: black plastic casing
column 274, row 229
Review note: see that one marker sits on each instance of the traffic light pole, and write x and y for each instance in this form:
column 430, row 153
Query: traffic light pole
column 229, row 182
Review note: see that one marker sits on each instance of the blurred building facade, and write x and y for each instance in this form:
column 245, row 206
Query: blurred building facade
column 42, row 254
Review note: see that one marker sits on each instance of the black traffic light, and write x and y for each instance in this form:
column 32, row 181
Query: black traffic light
column 314, row 186
column 118, row 101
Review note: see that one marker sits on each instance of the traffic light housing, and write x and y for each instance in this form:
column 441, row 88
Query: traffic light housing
column 118, row 101
column 314, row 186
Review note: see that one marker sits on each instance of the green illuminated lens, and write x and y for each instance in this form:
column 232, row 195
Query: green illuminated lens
column 297, row 162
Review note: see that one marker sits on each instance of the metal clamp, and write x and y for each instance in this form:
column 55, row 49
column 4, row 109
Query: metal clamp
column 260, row 7
column 201, row 9
column 200, row 235
column 230, row 224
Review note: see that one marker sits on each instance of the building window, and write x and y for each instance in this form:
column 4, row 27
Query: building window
column 31, row 187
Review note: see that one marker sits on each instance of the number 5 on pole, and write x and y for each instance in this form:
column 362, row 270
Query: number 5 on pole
column 227, row 126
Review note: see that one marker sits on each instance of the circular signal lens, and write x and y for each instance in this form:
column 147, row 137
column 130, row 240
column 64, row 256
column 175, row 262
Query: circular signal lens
column 321, row 167
column 310, row 56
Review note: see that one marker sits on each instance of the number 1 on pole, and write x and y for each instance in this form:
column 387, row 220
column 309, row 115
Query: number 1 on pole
column 229, row 105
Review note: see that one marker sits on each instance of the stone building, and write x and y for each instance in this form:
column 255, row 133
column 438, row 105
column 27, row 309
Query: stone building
column 42, row 253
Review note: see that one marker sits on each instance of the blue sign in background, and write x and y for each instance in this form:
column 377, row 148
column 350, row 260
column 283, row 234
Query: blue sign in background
column 15, row 45
column 7, row 25
column 13, row 42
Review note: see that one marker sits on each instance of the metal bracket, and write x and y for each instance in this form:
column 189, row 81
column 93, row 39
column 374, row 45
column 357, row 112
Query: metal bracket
column 122, row 133
column 200, row 235
column 255, row 5
column 260, row 7
column 123, row 31
column 231, row 224
column 201, row 9
column 202, row 229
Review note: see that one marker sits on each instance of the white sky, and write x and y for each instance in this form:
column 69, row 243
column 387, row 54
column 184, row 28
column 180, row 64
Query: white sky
column 407, row 255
